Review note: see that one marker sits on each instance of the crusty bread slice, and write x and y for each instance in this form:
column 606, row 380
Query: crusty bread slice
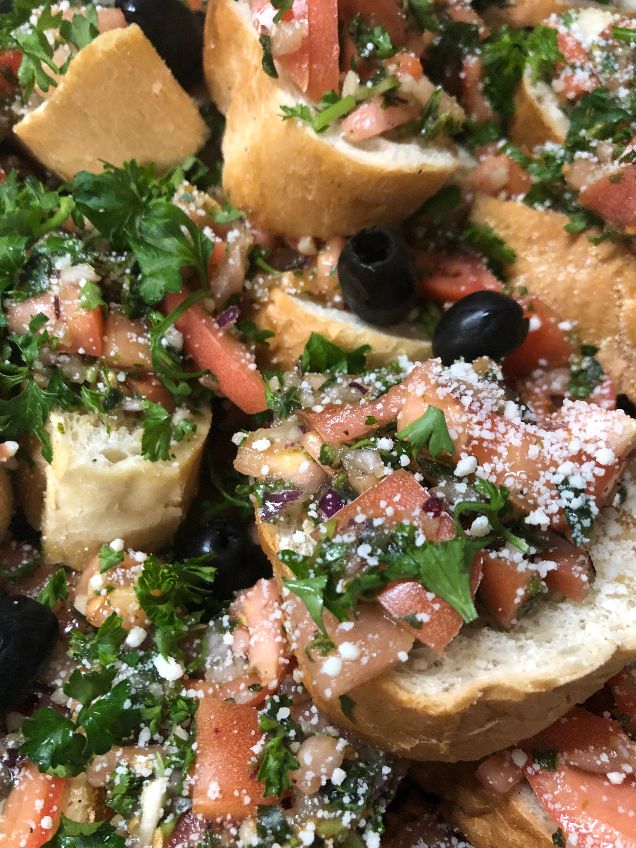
column 99, row 488
column 491, row 688
column 591, row 285
column 118, row 101
column 6, row 502
column 290, row 179
column 292, row 318
column 538, row 117
column 516, row 820
column 523, row 13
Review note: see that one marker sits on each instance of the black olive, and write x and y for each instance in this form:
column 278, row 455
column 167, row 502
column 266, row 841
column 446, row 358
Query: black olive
column 484, row 323
column 376, row 276
column 175, row 31
column 28, row 632
column 238, row 561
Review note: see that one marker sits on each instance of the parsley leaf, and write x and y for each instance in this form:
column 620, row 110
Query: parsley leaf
column 109, row 558
column 347, row 705
column 498, row 508
column 431, row 431
column 276, row 759
column 72, row 834
column 424, row 13
column 268, row 60
column 159, row 432
column 580, row 511
column 101, row 647
column 52, row 743
column 370, row 41
column 55, row 590
column 91, row 296
column 586, row 373
column 483, row 239
column 86, row 686
column 283, row 7
column 321, row 356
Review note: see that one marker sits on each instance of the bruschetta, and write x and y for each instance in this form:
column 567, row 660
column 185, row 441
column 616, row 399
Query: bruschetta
column 335, row 483
column 117, row 101
column 329, row 179
column 524, row 13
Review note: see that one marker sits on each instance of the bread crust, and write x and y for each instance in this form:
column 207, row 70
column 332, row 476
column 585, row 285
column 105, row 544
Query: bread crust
column 118, row 101
column 99, row 488
column 538, row 117
column 592, row 285
column 472, row 711
column 293, row 318
column 487, row 820
column 290, row 179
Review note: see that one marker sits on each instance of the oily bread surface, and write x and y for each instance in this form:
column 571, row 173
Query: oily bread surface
column 118, row 101
column 292, row 318
column 538, row 119
column 99, row 488
column 492, row 688
column 591, row 285
column 515, row 820
column 290, row 179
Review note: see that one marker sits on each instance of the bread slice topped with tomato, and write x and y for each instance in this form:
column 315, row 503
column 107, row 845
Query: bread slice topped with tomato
column 320, row 140
column 96, row 90
column 441, row 546
column 572, row 782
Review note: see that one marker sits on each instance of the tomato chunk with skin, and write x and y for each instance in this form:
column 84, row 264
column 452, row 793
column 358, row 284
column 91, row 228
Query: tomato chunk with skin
column 215, row 350
column 34, row 799
column 295, row 65
column 623, row 688
column 613, row 197
column 448, row 278
column 324, row 48
column 499, row 773
column 259, row 609
column 127, row 341
column 224, row 781
column 587, row 806
column 577, row 730
column 546, row 345
column 573, row 573
column 504, row 588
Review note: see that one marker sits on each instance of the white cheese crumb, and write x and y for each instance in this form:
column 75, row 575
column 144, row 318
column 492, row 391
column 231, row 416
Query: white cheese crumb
column 168, row 668
column 135, row 637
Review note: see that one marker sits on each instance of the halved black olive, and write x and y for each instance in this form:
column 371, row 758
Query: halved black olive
column 28, row 632
column 484, row 323
column 238, row 561
column 175, row 31
column 376, row 276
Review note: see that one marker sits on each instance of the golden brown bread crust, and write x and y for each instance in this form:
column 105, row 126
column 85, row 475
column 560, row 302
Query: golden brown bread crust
column 293, row 318
column 118, row 101
column 486, row 819
column 477, row 717
column 291, row 180
column 593, row 285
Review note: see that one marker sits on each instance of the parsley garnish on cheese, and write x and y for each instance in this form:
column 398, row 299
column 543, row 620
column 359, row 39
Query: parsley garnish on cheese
column 276, row 760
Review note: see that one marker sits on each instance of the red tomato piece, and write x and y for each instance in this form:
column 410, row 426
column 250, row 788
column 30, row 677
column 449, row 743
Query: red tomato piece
column 504, row 588
column 614, row 198
column 448, row 278
column 127, row 342
column 623, row 688
column 406, row 64
column 473, row 97
column 224, row 779
column 151, row 388
column 324, row 48
column 588, row 806
column 216, row 350
column 295, row 65
column 32, row 811
column 499, row 773
column 384, row 13
column 573, row 573
column 577, row 730
column 546, row 346
column 372, row 118
column 259, row 609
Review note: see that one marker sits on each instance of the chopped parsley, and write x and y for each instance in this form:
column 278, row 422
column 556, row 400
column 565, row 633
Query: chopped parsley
column 547, row 759
column 580, row 511
column 276, row 760
column 109, row 558
column 429, row 431
column 322, row 356
column 483, row 239
column 72, row 834
column 372, row 42
column 160, row 431
column 586, row 373
column 268, row 60
column 347, row 705
column 55, row 590
column 101, row 647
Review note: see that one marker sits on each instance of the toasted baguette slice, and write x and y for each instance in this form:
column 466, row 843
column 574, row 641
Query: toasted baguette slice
column 491, row 688
column 591, row 285
column 516, row 820
column 538, row 115
column 292, row 180
column 118, row 101
column 523, row 13
column 293, row 318
column 99, row 487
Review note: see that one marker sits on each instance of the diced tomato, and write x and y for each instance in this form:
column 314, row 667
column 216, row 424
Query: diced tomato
column 375, row 643
column 546, row 346
column 217, row 257
column 224, row 779
column 324, row 48
column 151, row 388
column 127, row 341
column 623, row 688
column 384, row 13
column 294, row 65
column 259, row 609
column 34, row 800
column 9, row 65
column 372, row 118
column 216, row 350
column 577, row 730
column 613, row 197
column 499, row 773
column 78, row 330
column 448, row 278
column 573, row 573
column 587, row 807
column 406, row 64
column 396, row 498
column 504, row 588
column 497, row 172
column 473, row 98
